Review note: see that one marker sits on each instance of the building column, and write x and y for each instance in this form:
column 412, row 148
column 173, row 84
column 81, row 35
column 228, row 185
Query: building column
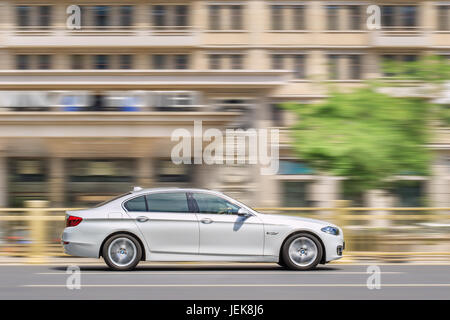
column 439, row 185
column 378, row 199
column 145, row 172
column 57, row 182
column 3, row 181
column 325, row 191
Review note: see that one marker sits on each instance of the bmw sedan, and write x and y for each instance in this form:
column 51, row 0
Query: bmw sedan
column 196, row 225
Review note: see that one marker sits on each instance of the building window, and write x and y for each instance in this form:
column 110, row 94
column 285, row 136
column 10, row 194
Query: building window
column 354, row 67
column 277, row 62
column 355, row 17
column 167, row 171
column 333, row 17
column 215, row 61
column 159, row 16
column 181, row 16
column 234, row 13
column 344, row 66
column 101, row 61
column 101, row 16
column 28, row 170
column 236, row 17
column 288, row 17
column 37, row 16
column 296, row 194
column 23, row 62
column 170, row 61
column 344, row 17
column 100, row 170
column 43, row 61
column 299, row 17
column 181, row 61
column 236, row 61
column 443, row 18
column 333, row 65
column 294, row 62
column 44, row 16
column 23, row 16
column 387, row 16
column 125, row 61
column 299, row 66
column 409, row 193
column 77, row 61
column 170, row 16
column 396, row 58
column 399, row 16
column 214, row 17
column 277, row 17
column 126, row 16
column 225, row 61
column 160, row 61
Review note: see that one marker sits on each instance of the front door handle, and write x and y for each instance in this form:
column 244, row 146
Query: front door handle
column 142, row 219
column 206, row 220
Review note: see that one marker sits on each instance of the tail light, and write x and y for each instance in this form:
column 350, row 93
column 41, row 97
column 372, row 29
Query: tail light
column 73, row 221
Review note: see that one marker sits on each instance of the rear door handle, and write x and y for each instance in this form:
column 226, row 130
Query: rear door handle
column 206, row 220
column 142, row 219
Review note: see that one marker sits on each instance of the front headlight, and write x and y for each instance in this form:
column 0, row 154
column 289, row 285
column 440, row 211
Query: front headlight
column 330, row 230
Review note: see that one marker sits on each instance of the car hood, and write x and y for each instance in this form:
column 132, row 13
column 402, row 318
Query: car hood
column 284, row 219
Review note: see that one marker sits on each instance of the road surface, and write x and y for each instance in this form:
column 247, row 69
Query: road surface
column 225, row 281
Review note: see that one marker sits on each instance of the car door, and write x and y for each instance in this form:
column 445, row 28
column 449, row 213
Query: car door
column 223, row 231
column 166, row 222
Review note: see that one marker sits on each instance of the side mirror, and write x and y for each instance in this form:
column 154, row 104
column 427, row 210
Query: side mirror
column 243, row 212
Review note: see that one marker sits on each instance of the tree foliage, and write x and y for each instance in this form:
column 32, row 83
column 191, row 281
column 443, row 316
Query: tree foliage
column 364, row 135
column 367, row 136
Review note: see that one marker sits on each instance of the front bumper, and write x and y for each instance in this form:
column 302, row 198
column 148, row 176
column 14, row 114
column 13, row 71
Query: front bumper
column 334, row 247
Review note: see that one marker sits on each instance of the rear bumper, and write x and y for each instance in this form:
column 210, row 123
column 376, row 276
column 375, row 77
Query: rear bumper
column 75, row 245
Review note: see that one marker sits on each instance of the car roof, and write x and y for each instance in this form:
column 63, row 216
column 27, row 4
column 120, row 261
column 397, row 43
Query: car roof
column 150, row 190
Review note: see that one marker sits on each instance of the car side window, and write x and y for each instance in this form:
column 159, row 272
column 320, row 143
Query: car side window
column 136, row 204
column 167, row 202
column 209, row 203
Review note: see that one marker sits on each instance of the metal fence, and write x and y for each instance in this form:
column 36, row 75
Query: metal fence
column 388, row 234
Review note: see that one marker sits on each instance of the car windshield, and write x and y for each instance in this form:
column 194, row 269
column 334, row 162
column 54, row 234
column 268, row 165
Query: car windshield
column 110, row 200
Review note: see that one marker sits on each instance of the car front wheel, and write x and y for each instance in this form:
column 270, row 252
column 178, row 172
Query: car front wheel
column 122, row 252
column 302, row 251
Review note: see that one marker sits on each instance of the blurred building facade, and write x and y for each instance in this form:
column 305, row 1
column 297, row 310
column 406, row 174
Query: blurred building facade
column 86, row 114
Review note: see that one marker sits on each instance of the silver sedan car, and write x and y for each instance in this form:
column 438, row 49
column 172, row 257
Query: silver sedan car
column 173, row 224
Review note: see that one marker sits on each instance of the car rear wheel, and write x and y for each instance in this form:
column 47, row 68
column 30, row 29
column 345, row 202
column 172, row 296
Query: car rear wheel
column 302, row 251
column 122, row 252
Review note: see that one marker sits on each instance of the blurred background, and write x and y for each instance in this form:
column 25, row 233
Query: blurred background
column 87, row 114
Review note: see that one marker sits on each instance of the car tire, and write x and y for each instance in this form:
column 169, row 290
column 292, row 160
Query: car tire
column 282, row 263
column 302, row 251
column 122, row 252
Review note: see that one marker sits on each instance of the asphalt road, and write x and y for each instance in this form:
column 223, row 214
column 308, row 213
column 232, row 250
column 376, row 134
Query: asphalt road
column 225, row 281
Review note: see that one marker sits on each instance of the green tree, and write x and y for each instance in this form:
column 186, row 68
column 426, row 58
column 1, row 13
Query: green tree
column 429, row 74
column 365, row 136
